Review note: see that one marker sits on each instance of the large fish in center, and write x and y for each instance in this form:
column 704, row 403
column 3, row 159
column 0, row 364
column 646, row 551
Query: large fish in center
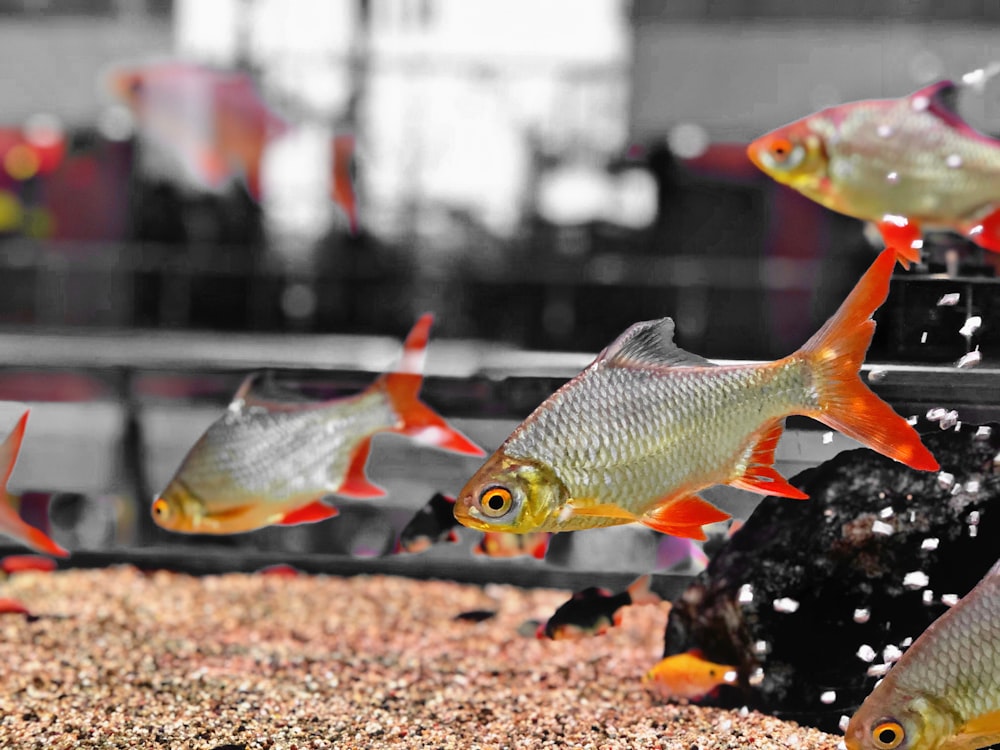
column 647, row 425
column 270, row 462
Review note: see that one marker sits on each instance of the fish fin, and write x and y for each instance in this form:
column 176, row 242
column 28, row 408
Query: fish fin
column 541, row 547
column 640, row 592
column 984, row 232
column 835, row 353
column 903, row 237
column 760, row 475
column 356, row 483
column 981, row 731
column 683, row 516
column 10, row 448
column 650, row 343
column 604, row 510
column 315, row 511
column 419, row 421
column 451, row 536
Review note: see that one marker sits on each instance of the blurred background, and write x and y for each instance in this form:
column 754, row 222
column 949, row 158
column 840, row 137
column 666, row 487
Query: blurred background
column 189, row 190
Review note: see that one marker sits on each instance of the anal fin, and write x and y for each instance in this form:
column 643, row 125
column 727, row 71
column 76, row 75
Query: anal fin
column 683, row 516
column 904, row 237
column 761, row 476
column 356, row 483
column 315, row 511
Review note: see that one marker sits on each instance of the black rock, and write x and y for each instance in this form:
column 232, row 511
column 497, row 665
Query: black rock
column 804, row 585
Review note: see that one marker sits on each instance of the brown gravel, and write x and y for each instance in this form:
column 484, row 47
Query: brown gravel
column 123, row 659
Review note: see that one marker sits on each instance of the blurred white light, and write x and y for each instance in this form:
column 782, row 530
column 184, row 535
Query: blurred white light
column 635, row 205
column 688, row 140
column 574, row 194
column 115, row 123
column 208, row 31
column 43, row 129
column 298, row 301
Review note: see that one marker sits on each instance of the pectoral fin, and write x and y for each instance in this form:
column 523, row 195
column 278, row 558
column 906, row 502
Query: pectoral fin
column 981, row 731
column 606, row 510
column 683, row 516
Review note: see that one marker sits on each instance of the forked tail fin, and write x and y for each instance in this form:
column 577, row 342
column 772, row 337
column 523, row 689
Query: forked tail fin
column 835, row 354
column 419, row 421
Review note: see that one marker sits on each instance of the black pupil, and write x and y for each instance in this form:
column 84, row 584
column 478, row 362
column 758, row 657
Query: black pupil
column 495, row 501
column 887, row 736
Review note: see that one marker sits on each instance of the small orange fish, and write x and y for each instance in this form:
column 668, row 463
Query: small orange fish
column 270, row 462
column 594, row 611
column 902, row 163
column 502, row 544
column 22, row 563
column 11, row 523
column 689, row 676
column 636, row 435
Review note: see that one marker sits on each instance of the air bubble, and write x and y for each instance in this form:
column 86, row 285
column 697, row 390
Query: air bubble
column 949, row 600
column 891, row 654
column 884, row 131
column 866, row 653
column 761, row 648
column 785, row 604
column 862, row 615
column 930, row 543
column 745, row 594
column 756, row 678
column 827, row 438
column 971, row 325
column 954, row 161
column 916, row 579
column 947, row 300
column 828, row 697
column 927, row 597
column 877, row 670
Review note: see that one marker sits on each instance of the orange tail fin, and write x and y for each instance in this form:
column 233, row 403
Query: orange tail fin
column 419, row 421
column 10, row 522
column 835, row 354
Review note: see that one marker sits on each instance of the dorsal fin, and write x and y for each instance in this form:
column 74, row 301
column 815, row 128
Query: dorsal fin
column 650, row 343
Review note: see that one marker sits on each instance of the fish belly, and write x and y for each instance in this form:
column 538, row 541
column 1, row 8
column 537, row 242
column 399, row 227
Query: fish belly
column 275, row 456
column 634, row 436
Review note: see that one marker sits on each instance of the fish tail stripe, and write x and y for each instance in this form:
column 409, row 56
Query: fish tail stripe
column 10, row 448
column 835, row 354
column 415, row 346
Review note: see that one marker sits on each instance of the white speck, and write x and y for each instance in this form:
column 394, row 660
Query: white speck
column 912, row 419
column 945, row 480
column 923, row 337
column 877, row 670
column 745, row 594
column 920, row 103
column 913, row 514
column 565, row 513
column 881, row 527
column 972, row 488
column 877, row 374
column 973, row 531
column 935, row 414
column 866, row 653
column 761, row 647
column 725, row 725
column 785, row 604
column 973, row 518
column 881, row 495
column 896, row 219
column 927, row 597
column 827, row 438
column 954, row 161
column 983, row 432
column 930, row 543
column 891, row 654
column 917, row 244
column 862, row 615
column 949, row 420
column 947, row 300
column 970, row 359
column 793, row 740
column 756, row 677
column 949, row 600
column 844, row 721
column 971, row 325
column 884, row 130
column 892, row 178
column 915, row 579
column 886, row 512
column 907, row 642
column 828, row 697
column 744, row 710
column 730, row 677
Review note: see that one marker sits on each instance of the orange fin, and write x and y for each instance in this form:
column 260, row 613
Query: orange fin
column 541, row 547
column 903, row 237
column 418, row 420
column 315, row 511
column 604, row 510
column 640, row 593
column 683, row 516
column 761, row 476
column 356, row 483
column 985, row 232
column 835, row 354
column 981, row 731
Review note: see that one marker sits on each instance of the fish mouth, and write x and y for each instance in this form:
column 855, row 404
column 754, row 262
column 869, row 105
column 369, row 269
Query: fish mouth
column 468, row 515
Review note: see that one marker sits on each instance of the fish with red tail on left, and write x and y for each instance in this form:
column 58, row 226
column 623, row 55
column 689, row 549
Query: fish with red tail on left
column 270, row 462
column 594, row 611
column 11, row 523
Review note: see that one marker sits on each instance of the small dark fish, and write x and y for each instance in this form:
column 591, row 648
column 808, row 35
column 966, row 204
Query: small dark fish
column 476, row 615
column 432, row 524
column 594, row 611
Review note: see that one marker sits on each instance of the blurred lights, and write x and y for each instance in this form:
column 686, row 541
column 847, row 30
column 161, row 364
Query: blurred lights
column 688, row 140
column 116, row 124
column 21, row 162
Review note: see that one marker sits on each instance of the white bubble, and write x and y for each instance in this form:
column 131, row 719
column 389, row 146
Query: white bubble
column 945, row 479
column 891, row 654
column 828, row 696
column 862, row 615
column 882, row 528
column 970, row 359
column 954, row 161
column 884, row 131
column 983, row 432
column 886, row 512
column 877, row 374
column 949, row 600
column 827, row 438
column 950, row 299
column 785, row 604
column 688, row 140
column 971, row 325
column 745, row 594
column 927, row 597
column 866, row 653
column 915, row 579
column 877, row 670
column 930, row 543
column 761, row 647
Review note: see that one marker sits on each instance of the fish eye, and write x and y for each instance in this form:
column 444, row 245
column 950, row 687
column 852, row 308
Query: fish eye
column 781, row 153
column 495, row 501
column 161, row 509
column 887, row 734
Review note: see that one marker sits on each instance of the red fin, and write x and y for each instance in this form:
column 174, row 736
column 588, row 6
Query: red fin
column 683, row 516
column 419, row 421
column 835, row 354
column 20, row 563
column 356, row 482
column 985, row 232
column 640, row 593
column 761, row 475
column 315, row 511
column 10, row 448
column 900, row 234
column 13, row 607
column 539, row 550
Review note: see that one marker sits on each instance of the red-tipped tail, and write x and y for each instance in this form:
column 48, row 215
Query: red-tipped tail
column 835, row 354
column 11, row 523
column 419, row 421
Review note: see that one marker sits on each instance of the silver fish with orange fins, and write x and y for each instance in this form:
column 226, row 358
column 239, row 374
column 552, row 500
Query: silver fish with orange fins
column 11, row 523
column 271, row 462
column 944, row 692
column 641, row 430
column 904, row 163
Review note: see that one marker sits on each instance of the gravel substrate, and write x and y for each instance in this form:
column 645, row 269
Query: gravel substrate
column 118, row 658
